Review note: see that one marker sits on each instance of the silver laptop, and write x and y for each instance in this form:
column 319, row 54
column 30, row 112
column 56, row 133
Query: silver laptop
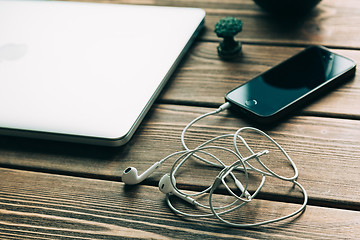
column 86, row 72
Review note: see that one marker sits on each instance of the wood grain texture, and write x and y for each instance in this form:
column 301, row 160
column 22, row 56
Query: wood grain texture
column 73, row 191
column 48, row 206
column 332, row 23
column 326, row 151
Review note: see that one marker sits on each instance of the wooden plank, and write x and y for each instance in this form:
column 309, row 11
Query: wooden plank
column 204, row 68
column 332, row 23
column 326, row 151
column 44, row 206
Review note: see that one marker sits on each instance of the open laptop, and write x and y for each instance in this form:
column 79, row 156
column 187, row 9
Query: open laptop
column 86, row 72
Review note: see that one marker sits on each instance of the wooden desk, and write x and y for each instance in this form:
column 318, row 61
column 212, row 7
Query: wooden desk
column 51, row 190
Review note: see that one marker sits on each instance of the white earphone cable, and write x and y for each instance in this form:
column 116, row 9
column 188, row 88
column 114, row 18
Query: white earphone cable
column 167, row 183
column 241, row 164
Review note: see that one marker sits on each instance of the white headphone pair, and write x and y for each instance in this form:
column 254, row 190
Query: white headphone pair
column 167, row 183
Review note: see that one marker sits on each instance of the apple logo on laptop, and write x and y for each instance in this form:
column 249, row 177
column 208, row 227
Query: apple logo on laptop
column 12, row 51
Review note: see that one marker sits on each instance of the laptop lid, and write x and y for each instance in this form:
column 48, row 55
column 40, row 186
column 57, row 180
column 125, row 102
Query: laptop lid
column 86, row 72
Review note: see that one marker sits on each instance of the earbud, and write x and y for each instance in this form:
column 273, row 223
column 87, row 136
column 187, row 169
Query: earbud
column 165, row 187
column 130, row 174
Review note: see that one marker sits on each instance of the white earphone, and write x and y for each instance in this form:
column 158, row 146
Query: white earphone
column 167, row 183
column 166, row 187
column 130, row 175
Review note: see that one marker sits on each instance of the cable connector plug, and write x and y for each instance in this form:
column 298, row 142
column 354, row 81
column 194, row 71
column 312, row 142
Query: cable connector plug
column 224, row 107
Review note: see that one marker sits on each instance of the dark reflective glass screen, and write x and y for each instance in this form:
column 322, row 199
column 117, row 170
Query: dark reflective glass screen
column 275, row 89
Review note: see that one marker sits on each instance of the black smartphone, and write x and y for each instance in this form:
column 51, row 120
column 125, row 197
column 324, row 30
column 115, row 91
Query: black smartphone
column 278, row 91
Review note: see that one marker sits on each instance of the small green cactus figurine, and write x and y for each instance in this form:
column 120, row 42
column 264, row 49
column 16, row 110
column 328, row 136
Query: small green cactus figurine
column 227, row 28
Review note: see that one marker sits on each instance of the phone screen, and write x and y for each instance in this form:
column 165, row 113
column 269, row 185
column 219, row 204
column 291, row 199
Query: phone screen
column 284, row 84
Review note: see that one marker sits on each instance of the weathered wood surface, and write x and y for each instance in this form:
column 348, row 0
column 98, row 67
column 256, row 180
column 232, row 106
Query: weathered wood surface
column 326, row 151
column 49, row 206
column 79, row 193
